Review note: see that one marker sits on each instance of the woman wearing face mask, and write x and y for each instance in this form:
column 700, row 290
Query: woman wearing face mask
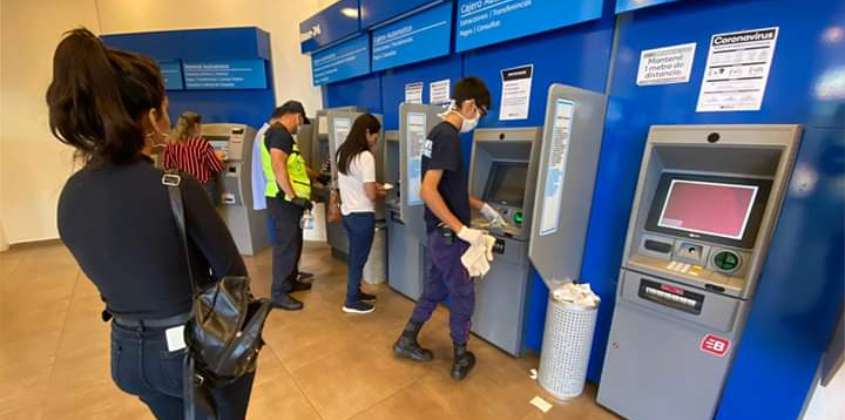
column 356, row 170
column 448, row 205
column 115, row 217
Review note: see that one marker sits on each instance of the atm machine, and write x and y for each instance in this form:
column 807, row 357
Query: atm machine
column 503, row 173
column 317, row 156
column 405, row 208
column 706, row 204
column 339, row 123
column 247, row 225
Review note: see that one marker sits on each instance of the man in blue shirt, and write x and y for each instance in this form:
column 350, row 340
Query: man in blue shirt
column 445, row 191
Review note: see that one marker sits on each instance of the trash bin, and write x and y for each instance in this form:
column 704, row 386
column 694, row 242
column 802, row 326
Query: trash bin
column 375, row 271
column 567, row 342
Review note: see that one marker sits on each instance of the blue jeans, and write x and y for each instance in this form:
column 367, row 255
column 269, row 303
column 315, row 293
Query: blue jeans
column 142, row 366
column 447, row 277
column 360, row 228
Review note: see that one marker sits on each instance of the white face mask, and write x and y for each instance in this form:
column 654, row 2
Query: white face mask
column 468, row 125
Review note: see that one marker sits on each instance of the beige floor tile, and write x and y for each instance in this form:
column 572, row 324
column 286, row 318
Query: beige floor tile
column 319, row 363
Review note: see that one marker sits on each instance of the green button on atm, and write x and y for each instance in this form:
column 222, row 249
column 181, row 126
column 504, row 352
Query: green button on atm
column 726, row 261
column 517, row 217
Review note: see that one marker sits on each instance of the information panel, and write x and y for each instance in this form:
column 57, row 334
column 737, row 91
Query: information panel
column 623, row 6
column 416, row 142
column 485, row 22
column 225, row 74
column 422, row 36
column 171, row 71
column 346, row 60
column 553, row 194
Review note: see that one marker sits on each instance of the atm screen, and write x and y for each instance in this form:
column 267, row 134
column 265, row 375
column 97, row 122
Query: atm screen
column 218, row 142
column 724, row 210
column 708, row 207
column 506, row 184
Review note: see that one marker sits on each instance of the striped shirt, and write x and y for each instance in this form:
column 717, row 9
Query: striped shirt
column 193, row 156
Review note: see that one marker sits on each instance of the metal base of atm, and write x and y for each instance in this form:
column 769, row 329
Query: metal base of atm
column 660, row 344
column 500, row 298
column 406, row 258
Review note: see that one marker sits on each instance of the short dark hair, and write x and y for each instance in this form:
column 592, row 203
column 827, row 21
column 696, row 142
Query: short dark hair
column 98, row 96
column 472, row 88
column 277, row 113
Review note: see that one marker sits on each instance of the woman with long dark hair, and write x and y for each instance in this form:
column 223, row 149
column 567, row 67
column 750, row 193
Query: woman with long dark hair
column 115, row 217
column 356, row 171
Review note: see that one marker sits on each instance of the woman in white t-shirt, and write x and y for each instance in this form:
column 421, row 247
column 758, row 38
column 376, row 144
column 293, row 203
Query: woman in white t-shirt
column 356, row 170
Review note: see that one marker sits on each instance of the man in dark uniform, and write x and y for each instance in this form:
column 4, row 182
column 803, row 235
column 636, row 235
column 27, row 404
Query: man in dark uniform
column 288, row 193
column 445, row 191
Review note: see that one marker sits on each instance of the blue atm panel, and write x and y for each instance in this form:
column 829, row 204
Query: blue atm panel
column 394, row 81
column 343, row 61
column 623, row 6
column 485, row 22
column 330, row 25
column 374, row 12
column 172, row 73
column 422, row 36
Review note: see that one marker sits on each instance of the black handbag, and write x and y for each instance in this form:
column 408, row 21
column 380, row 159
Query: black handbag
column 224, row 336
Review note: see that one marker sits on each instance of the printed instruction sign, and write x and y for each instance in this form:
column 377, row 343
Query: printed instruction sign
column 558, row 151
column 341, row 130
column 414, row 93
column 438, row 92
column 737, row 70
column 516, row 92
column 416, row 141
column 665, row 66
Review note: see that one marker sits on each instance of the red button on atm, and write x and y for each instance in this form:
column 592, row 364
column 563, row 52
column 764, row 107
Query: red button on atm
column 672, row 289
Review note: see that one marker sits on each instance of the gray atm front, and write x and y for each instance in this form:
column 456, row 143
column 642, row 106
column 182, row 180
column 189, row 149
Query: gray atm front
column 503, row 173
column 707, row 201
column 339, row 124
column 405, row 224
column 248, row 226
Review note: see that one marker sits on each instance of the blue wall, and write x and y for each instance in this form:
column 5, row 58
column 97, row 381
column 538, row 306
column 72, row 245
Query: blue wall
column 239, row 106
column 801, row 287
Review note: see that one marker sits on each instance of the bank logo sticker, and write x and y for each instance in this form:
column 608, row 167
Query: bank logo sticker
column 427, row 146
column 715, row 345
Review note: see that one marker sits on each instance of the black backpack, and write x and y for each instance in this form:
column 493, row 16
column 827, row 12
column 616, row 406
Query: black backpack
column 224, row 336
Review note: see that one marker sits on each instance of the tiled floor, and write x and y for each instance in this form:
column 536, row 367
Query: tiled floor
column 319, row 363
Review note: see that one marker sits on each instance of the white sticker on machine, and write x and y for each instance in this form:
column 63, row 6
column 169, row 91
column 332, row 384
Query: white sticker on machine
column 737, row 70
column 558, row 150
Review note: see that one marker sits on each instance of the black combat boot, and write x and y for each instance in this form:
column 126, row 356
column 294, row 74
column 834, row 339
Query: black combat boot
column 406, row 346
column 463, row 363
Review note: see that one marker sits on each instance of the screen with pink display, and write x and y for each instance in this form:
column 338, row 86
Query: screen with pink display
column 708, row 208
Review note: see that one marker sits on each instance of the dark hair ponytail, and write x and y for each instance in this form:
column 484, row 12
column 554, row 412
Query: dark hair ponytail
column 356, row 141
column 98, row 97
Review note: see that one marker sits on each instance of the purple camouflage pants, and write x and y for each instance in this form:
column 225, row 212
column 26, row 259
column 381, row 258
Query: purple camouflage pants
column 447, row 277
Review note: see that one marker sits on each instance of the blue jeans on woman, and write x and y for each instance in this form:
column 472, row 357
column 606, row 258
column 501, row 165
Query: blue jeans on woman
column 141, row 365
column 360, row 228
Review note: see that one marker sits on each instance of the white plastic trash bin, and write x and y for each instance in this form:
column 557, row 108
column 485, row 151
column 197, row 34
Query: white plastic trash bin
column 566, row 348
column 375, row 271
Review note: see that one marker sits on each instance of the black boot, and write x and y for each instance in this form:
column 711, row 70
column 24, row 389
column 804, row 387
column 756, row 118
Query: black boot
column 463, row 363
column 406, row 346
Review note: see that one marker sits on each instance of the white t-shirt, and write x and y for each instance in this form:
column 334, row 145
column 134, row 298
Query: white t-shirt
column 362, row 169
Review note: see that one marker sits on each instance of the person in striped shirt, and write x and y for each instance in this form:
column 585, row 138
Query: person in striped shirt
column 187, row 151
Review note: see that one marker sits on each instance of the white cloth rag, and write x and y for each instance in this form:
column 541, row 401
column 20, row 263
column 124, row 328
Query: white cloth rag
column 578, row 294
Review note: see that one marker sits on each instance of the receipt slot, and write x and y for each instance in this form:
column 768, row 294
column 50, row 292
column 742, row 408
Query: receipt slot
column 707, row 201
column 248, row 226
column 405, row 208
column 503, row 173
column 339, row 123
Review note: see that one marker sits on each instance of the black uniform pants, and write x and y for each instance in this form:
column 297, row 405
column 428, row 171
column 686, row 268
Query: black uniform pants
column 288, row 245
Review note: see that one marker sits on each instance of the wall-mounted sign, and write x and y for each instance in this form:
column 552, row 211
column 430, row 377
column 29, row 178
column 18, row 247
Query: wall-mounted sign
column 737, row 70
column 667, row 65
column 374, row 12
column 516, row 92
column 438, row 92
column 419, row 37
column 344, row 61
column 485, row 22
column 225, row 74
column 171, row 71
column 414, row 93
column 623, row 6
